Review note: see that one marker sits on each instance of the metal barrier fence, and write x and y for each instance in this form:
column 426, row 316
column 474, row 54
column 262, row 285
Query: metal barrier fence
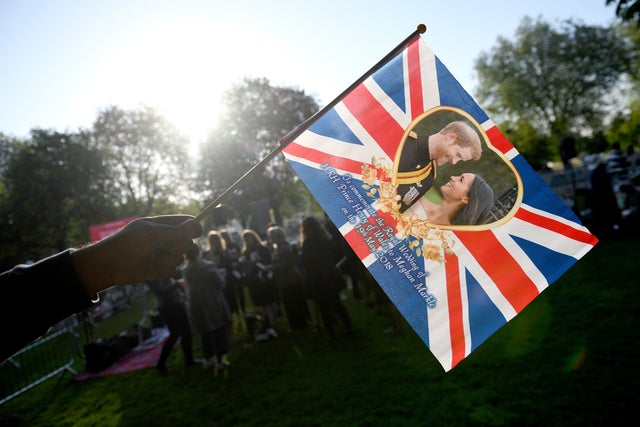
column 570, row 185
column 57, row 352
column 43, row 359
column 573, row 185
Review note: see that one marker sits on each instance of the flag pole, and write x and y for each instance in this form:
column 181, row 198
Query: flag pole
column 295, row 132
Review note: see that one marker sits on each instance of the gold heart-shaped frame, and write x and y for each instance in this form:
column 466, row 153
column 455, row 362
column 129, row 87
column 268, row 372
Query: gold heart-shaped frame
column 493, row 166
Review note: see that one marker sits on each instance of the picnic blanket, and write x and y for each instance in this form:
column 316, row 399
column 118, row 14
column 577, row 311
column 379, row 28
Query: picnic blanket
column 143, row 356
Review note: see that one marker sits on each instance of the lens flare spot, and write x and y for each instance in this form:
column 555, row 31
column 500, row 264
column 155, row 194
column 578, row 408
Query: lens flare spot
column 576, row 360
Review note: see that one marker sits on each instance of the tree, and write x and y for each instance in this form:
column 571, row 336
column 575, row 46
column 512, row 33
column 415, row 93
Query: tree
column 554, row 78
column 625, row 127
column 256, row 115
column 52, row 192
column 627, row 10
column 533, row 145
column 630, row 34
column 146, row 156
column 8, row 146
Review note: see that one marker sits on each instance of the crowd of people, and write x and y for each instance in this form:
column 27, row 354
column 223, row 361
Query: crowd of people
column 303, row 283
column 260, row 286
column 266, row 282
column 614, row 191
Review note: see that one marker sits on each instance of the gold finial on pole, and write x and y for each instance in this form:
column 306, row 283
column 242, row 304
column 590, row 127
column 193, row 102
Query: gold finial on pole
column 422, row 28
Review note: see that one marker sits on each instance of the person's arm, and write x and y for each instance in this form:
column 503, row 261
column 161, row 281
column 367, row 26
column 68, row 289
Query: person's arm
column 146, row 249
column 37, row 296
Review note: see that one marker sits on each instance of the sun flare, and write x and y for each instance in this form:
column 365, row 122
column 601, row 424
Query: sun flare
column 182, row 69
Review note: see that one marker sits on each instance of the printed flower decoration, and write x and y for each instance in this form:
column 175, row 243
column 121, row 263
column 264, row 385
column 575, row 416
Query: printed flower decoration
column 369, row 174
column 432, row 251
column 423, row 237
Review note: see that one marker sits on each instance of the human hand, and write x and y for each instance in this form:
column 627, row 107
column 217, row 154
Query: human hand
column 145, row 249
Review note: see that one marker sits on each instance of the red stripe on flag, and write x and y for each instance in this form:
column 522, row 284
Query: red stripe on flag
column 375, row 119
column 367, row 237
column 504, row 270
column 454, row 298
column 320, row 158
column 357, row 244
column 498, row 140
column 415, row 80
column 556, row 226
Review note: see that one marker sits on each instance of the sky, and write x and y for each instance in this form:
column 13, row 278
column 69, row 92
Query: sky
column 63, row 61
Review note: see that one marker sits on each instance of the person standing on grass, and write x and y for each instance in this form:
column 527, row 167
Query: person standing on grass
column 288, row 279
column 210, row 314
column 217, row 254
column 170, row 296
column 323, row 276
column 234, row 276
column 255, row 257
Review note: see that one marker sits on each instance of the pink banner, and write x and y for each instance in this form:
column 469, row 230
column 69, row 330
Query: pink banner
column 100, row 231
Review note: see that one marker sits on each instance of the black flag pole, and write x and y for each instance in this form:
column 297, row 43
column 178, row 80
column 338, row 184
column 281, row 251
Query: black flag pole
column 294, row 133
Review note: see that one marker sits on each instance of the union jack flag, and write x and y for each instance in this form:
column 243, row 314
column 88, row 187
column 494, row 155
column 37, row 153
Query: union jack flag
column 481, row 277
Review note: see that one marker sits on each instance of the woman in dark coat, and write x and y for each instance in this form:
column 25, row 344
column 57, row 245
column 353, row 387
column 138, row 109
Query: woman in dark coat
column 219, row 256
column 210, row 314
column 235, row 278
column 256, row 259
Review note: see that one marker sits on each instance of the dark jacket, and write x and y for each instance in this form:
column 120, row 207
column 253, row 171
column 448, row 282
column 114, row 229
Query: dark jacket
column 415, row 171
column 36, row 297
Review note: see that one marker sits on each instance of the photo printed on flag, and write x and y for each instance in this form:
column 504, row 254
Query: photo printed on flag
column 454, row 225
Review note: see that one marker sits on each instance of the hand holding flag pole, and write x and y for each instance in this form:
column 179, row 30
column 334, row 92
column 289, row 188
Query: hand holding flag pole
column 294, row 133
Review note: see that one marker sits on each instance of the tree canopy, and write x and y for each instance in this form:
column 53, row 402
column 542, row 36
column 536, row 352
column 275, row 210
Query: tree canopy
column 146, row 157
column 627, row 10
column 256, row 115
column 52, row 188
column 557, row 78
column 54, row 185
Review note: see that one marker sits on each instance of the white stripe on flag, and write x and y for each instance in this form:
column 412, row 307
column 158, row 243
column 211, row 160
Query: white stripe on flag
column 333, row 147
column 545, row 237
column 563, row 220
column 485, row 281
column 530, row 269
column 429, row 76
column 511, row 154
column 370, row 147
column 438, row 318
column 487, row 124
column 387, row 103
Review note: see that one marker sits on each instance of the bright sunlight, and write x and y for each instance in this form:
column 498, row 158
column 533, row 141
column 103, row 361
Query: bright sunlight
column 182, row 68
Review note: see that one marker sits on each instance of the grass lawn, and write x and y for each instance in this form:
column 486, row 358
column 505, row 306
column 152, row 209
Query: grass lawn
column 569, row 359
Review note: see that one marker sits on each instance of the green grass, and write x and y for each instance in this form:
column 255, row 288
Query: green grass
column 570, row 358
